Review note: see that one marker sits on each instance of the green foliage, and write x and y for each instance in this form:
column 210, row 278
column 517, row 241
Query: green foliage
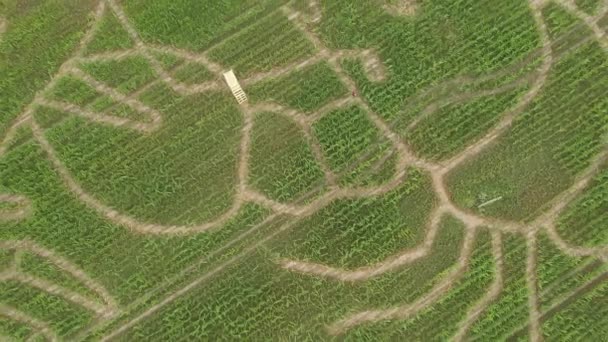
column 16, row 330
column 40, row 36
column 584, row 222
column 345, row 135
column 559, row 274
column 269, row 43
column 200, row 23
column 42, row 268
column 572, row 322
column 588, row 6
column 193, row 73
column 110, row 36
column 282, row 164
column 73, row 90
column 126, row 75
column 443, row 39
column 357, row 232
column 548, row 144
column 251, row 300
column 183, row 173
column 63, row 316
column 510, row 310
column 307, row 89
column 440, row 321
column 452, row 128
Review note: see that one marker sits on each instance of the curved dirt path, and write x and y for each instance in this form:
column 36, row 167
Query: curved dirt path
column 22, row 207
column 493, row 291
column 523, row 103
column 106, row 310
column 532, row 284
column 19, row 316
column 590, row 21
column 407, row 311
column 405, row 158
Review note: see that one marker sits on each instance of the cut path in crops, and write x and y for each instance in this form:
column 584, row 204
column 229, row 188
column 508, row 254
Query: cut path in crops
column 38, row 326
column 20, row 207
column 105, row 310
column 405, row 158
column 493, row 291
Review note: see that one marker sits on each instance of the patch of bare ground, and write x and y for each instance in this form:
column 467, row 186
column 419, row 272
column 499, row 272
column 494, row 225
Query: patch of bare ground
column 405, row 158
column 401, row 7
column 37, row 325
column 493, row 291
column 18, row 207
column 105, row 310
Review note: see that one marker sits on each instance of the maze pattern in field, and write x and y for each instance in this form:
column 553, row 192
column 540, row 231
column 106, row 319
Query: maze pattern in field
column 85, row 88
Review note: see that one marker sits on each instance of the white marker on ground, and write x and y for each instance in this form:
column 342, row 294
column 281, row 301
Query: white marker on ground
column 235, row 87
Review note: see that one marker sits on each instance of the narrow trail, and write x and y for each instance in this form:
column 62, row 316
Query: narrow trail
column 493, row 291
column 106, row 310
column 532, row 284
column 3, row 26
column 19, row 316
column 401, row 7
column 405, row 158
column 21, row 207
column 407, row 311
column 590, row 21
column 370, row 271
column 523, row 103
column 464, row 97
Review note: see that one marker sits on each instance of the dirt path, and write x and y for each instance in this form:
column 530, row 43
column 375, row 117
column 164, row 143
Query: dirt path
column 532, row 284
column 37, row 325
column 405, row 158
column 401, row 7
column 3, row 26
column 106, row 310
column 464, row 97
column 407, row 311
column 21, row 207
column 590, row 21
column 493, row 291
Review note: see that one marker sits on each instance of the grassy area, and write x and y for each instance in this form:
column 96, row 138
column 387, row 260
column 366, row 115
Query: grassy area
column 63, row 316
column 547, row 146
column 345, row 135
column 584, row 222
column 110, row 36
column 255, row 297
column 200, row 24
column 282, row 163
column 271, row 42
column 352, row 233
column 307, row 89
column 227, row 283
column 571, row 323
column 41, row 35
column 510, row 310
column 192, row 157
column 127, row 264
column 454, row 127
column 125, row 75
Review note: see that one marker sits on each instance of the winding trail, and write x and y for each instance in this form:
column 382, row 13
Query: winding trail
column 21, row 207
column 404, row 156
column 106, row 310
column 492, row 294
column 407, row 311
column 532, row 284
column 19, row 316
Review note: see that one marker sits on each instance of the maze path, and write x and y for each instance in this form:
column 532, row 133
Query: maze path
column 404, row 155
